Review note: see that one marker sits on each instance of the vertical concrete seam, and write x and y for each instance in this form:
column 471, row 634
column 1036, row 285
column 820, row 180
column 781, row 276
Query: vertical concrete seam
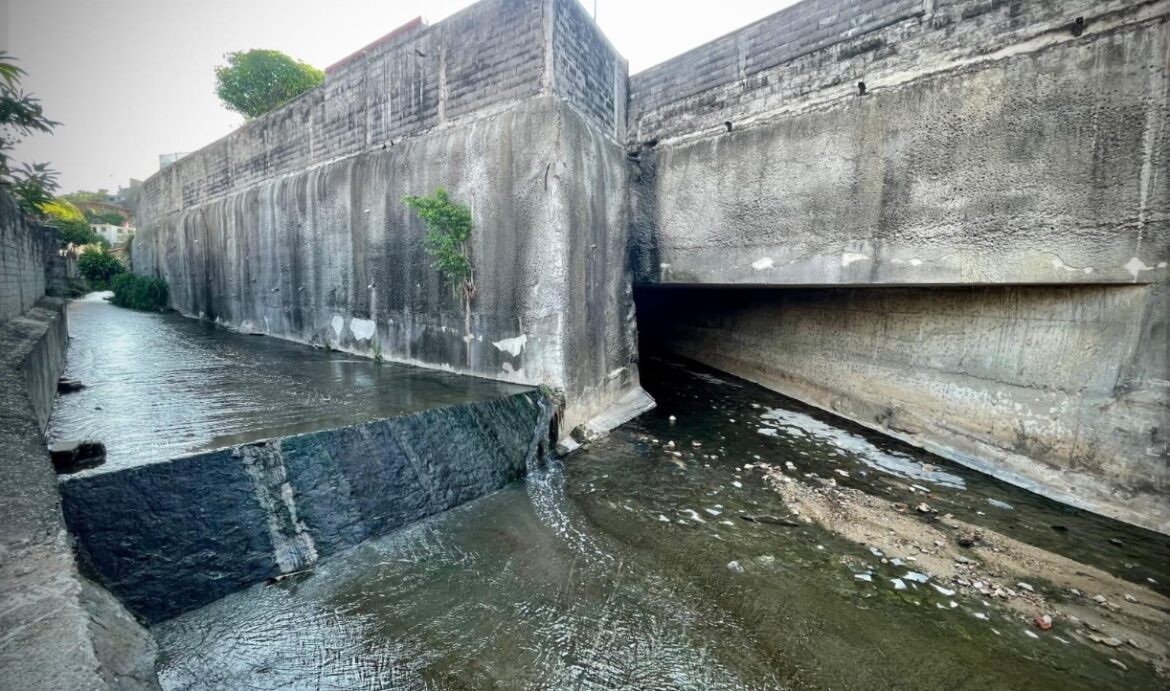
column 292, row 545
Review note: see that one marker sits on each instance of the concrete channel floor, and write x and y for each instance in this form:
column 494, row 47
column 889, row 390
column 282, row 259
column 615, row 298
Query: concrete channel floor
column 159, row 386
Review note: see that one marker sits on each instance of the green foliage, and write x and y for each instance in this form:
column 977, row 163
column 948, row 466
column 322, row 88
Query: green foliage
column 111, row 217
column 84, row 196
column 98, row 266
column 257, row 81
column 140, row 292
column 32, row 185
column 21, row 115
column 69, row 222
column 447, row 241
column 448, row 230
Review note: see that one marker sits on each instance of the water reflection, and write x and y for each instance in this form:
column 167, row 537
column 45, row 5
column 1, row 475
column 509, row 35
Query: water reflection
column 158, row 386
column 638, row 565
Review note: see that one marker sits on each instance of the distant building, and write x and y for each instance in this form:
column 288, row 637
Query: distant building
column 115, row 235
column 166, row 160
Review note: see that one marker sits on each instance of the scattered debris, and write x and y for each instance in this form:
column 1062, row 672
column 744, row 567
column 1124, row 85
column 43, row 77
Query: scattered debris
column 67, row 385
column 772, row 520
column 1043, row 621
column 74, row 456
column 1110, row 641
column 734, row 566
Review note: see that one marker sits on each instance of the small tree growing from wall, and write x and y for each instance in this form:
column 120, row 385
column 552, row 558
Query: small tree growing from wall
column 447, row 241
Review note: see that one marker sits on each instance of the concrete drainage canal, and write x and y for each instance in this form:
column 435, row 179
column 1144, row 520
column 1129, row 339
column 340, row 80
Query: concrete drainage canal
column 288, row 518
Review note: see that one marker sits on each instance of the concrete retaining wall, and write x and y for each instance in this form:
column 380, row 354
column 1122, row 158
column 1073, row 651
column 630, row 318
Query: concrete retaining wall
column 224, row 520
column 315, row 245
column 996, row 144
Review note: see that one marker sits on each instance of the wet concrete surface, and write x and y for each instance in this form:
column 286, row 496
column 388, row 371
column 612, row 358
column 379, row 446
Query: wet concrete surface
column 161, row 385
column 632, row 567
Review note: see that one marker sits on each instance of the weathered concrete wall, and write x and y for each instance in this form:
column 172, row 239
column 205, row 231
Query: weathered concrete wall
column 1025, row 383
column 60, row 632
column 223, row 520
column 990, row 147
column 314, row 244
column 996, row 144
column 26, row 253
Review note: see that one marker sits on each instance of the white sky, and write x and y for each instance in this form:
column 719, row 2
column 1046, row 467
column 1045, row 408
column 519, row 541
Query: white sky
column 131, row 79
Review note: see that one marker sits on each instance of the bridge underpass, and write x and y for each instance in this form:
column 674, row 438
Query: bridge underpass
column 1025, row 383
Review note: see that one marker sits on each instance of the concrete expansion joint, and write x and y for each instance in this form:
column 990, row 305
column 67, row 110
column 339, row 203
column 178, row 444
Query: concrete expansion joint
column 293, row 548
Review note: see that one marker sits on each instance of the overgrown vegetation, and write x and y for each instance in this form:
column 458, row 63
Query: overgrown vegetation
column 257, row 81
column 140, row 292
column 447, row 241
column 69, row 222
column 97, row 266
column 112, row 217
column 21, row 115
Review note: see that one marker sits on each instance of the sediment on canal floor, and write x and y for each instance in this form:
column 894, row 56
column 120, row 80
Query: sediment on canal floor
column 171, row 536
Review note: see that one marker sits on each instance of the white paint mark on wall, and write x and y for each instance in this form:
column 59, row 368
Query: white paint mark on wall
column 512, row 346
column 850, row 257
column 1135, row 266
column 1058, row 264
column 338, row 324
column 762, row 263
column 362, row 329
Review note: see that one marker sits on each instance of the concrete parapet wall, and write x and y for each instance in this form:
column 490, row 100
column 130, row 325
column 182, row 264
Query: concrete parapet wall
column 27, row 252
column 60, row 632
column 587, row 71
column 991, row 147
column 224, row 520
column 487, row 56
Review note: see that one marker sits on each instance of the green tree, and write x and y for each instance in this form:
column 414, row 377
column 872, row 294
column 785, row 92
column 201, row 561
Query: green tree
column 98, row 266
column 111, row 217
column 69, row 222
column 447, row 241
column 257, row 81
column 21, row 114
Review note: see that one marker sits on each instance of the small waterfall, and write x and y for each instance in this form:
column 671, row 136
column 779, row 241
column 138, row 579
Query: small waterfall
column 293, row 547
column 546, row 489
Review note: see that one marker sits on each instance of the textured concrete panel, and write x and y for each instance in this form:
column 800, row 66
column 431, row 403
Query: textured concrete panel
column 1046, row 164
column 174, row 535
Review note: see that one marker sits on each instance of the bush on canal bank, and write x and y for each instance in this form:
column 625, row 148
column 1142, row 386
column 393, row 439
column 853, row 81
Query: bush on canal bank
column 140, row 292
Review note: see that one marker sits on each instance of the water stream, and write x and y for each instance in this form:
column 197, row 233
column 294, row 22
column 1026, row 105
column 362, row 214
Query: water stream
column 633, row 565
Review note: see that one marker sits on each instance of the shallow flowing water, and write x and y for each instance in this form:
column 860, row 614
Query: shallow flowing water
column 162, row 385
column 627, row 567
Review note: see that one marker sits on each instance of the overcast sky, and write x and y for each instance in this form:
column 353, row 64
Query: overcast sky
column 131, row 79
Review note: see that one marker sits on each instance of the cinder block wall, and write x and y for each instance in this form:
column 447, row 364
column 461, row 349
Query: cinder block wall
column 26, row 250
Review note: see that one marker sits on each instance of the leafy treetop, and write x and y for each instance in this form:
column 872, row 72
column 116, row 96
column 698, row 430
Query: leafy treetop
column 69, row 222
column 257, row 81
column 21, row 115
